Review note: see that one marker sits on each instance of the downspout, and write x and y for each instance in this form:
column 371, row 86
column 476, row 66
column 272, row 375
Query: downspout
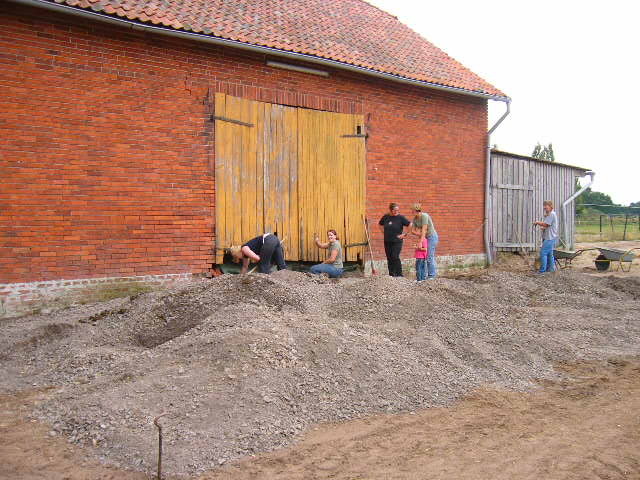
column 487, row 184
column 568, row 242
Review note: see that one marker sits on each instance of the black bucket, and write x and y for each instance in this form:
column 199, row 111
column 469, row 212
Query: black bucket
column 602, row 263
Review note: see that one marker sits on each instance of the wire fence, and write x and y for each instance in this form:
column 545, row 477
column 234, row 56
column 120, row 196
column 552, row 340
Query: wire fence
column 607, row 227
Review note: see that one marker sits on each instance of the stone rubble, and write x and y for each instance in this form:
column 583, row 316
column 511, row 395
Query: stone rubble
column 245, row 364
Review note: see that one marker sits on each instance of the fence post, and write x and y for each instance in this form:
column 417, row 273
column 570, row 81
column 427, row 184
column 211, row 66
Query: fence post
column 613, row 236
column 601, row 227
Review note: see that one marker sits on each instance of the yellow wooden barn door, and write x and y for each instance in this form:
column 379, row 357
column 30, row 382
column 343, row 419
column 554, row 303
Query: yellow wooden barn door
column 332, row 180
column 291, row 170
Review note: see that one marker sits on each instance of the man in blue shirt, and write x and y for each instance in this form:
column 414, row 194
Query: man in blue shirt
column 549, row 226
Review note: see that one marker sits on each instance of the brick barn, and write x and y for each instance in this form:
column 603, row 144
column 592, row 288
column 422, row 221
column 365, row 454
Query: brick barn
column 138, row 139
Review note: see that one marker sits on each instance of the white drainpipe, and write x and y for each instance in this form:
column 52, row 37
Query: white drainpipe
column 568, row 242
column 487, row 184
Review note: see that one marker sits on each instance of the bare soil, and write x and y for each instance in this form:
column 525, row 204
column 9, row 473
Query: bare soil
column 361, row 378
column 29, row 450
column 584, row 427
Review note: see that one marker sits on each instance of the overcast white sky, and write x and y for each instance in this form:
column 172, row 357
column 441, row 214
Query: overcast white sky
column 570, row 67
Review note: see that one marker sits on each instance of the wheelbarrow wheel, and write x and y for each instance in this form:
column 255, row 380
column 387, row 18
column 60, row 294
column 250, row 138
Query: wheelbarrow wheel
column 602, row 263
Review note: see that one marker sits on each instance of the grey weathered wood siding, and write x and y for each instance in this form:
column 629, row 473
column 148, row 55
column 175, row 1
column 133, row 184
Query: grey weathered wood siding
column 518, row 186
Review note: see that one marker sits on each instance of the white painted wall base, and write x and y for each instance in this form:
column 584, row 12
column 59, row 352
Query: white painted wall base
column 24, row 298
column 445, row 263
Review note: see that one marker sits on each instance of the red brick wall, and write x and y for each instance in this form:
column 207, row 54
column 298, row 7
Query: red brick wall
column 106, row 148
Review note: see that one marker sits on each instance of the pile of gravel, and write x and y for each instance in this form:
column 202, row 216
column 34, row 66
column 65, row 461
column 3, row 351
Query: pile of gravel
column 244, row 364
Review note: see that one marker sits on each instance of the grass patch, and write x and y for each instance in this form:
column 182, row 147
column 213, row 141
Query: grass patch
column 589, row 230
column 103, row 293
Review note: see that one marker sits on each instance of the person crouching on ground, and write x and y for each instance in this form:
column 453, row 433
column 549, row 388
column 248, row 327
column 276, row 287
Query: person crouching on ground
column 392, row 225
column 421, row 260
column 264, row 250
column 549, row 226
column 332, row 266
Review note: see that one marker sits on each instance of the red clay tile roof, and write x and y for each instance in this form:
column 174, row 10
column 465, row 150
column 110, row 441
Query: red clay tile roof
column 348, row 31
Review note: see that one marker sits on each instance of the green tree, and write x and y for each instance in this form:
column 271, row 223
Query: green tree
column 603, row 202
column 544, row 152
column 596, row 198
column 634, row 204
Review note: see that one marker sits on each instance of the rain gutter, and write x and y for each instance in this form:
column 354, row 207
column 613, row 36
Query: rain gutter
column 254, row 48
column 487, row 184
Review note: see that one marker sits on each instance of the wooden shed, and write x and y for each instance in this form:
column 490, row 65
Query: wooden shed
column 518, row 186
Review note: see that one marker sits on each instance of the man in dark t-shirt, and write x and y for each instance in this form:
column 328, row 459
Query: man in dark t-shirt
column 393, row 224
column 264, row 249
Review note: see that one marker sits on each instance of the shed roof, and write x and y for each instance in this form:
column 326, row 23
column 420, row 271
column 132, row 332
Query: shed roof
column 351, row 32
column 533, row 159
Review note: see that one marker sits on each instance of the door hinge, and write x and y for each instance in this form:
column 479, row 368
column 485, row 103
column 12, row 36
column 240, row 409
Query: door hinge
column 231, row 120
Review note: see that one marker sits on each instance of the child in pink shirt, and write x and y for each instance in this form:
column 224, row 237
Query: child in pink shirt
column 421, row 260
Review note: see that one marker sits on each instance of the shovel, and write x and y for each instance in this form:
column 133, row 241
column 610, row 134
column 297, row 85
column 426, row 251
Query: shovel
column 366, row 230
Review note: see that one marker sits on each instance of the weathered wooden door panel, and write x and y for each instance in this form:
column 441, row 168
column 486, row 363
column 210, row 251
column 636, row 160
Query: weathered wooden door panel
column 353, row 154
column 331, row 180
column 512, row 199
column 278, row 156
column 341, row 190
column 289, row 170
column 235, row 206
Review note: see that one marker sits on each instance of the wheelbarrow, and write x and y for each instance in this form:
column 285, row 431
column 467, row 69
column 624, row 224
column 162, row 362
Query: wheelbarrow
column 622, row 257
column 565, row 257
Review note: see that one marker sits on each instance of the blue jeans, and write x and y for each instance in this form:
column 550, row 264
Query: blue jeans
column 547, row 261
column 330, row 270
column 432, row 268
column 421, row 269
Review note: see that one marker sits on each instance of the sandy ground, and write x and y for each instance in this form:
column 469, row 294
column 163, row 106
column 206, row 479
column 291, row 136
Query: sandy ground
column 585, row 425
column 588, row 427
column 586, row 261
column 29, row 452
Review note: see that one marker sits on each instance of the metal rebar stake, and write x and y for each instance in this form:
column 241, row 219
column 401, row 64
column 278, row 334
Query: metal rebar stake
column 155, row 422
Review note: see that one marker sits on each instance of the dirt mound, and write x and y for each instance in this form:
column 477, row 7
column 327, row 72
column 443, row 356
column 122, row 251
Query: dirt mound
column 630, row 287
column 176, row 313
column 243, row 364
